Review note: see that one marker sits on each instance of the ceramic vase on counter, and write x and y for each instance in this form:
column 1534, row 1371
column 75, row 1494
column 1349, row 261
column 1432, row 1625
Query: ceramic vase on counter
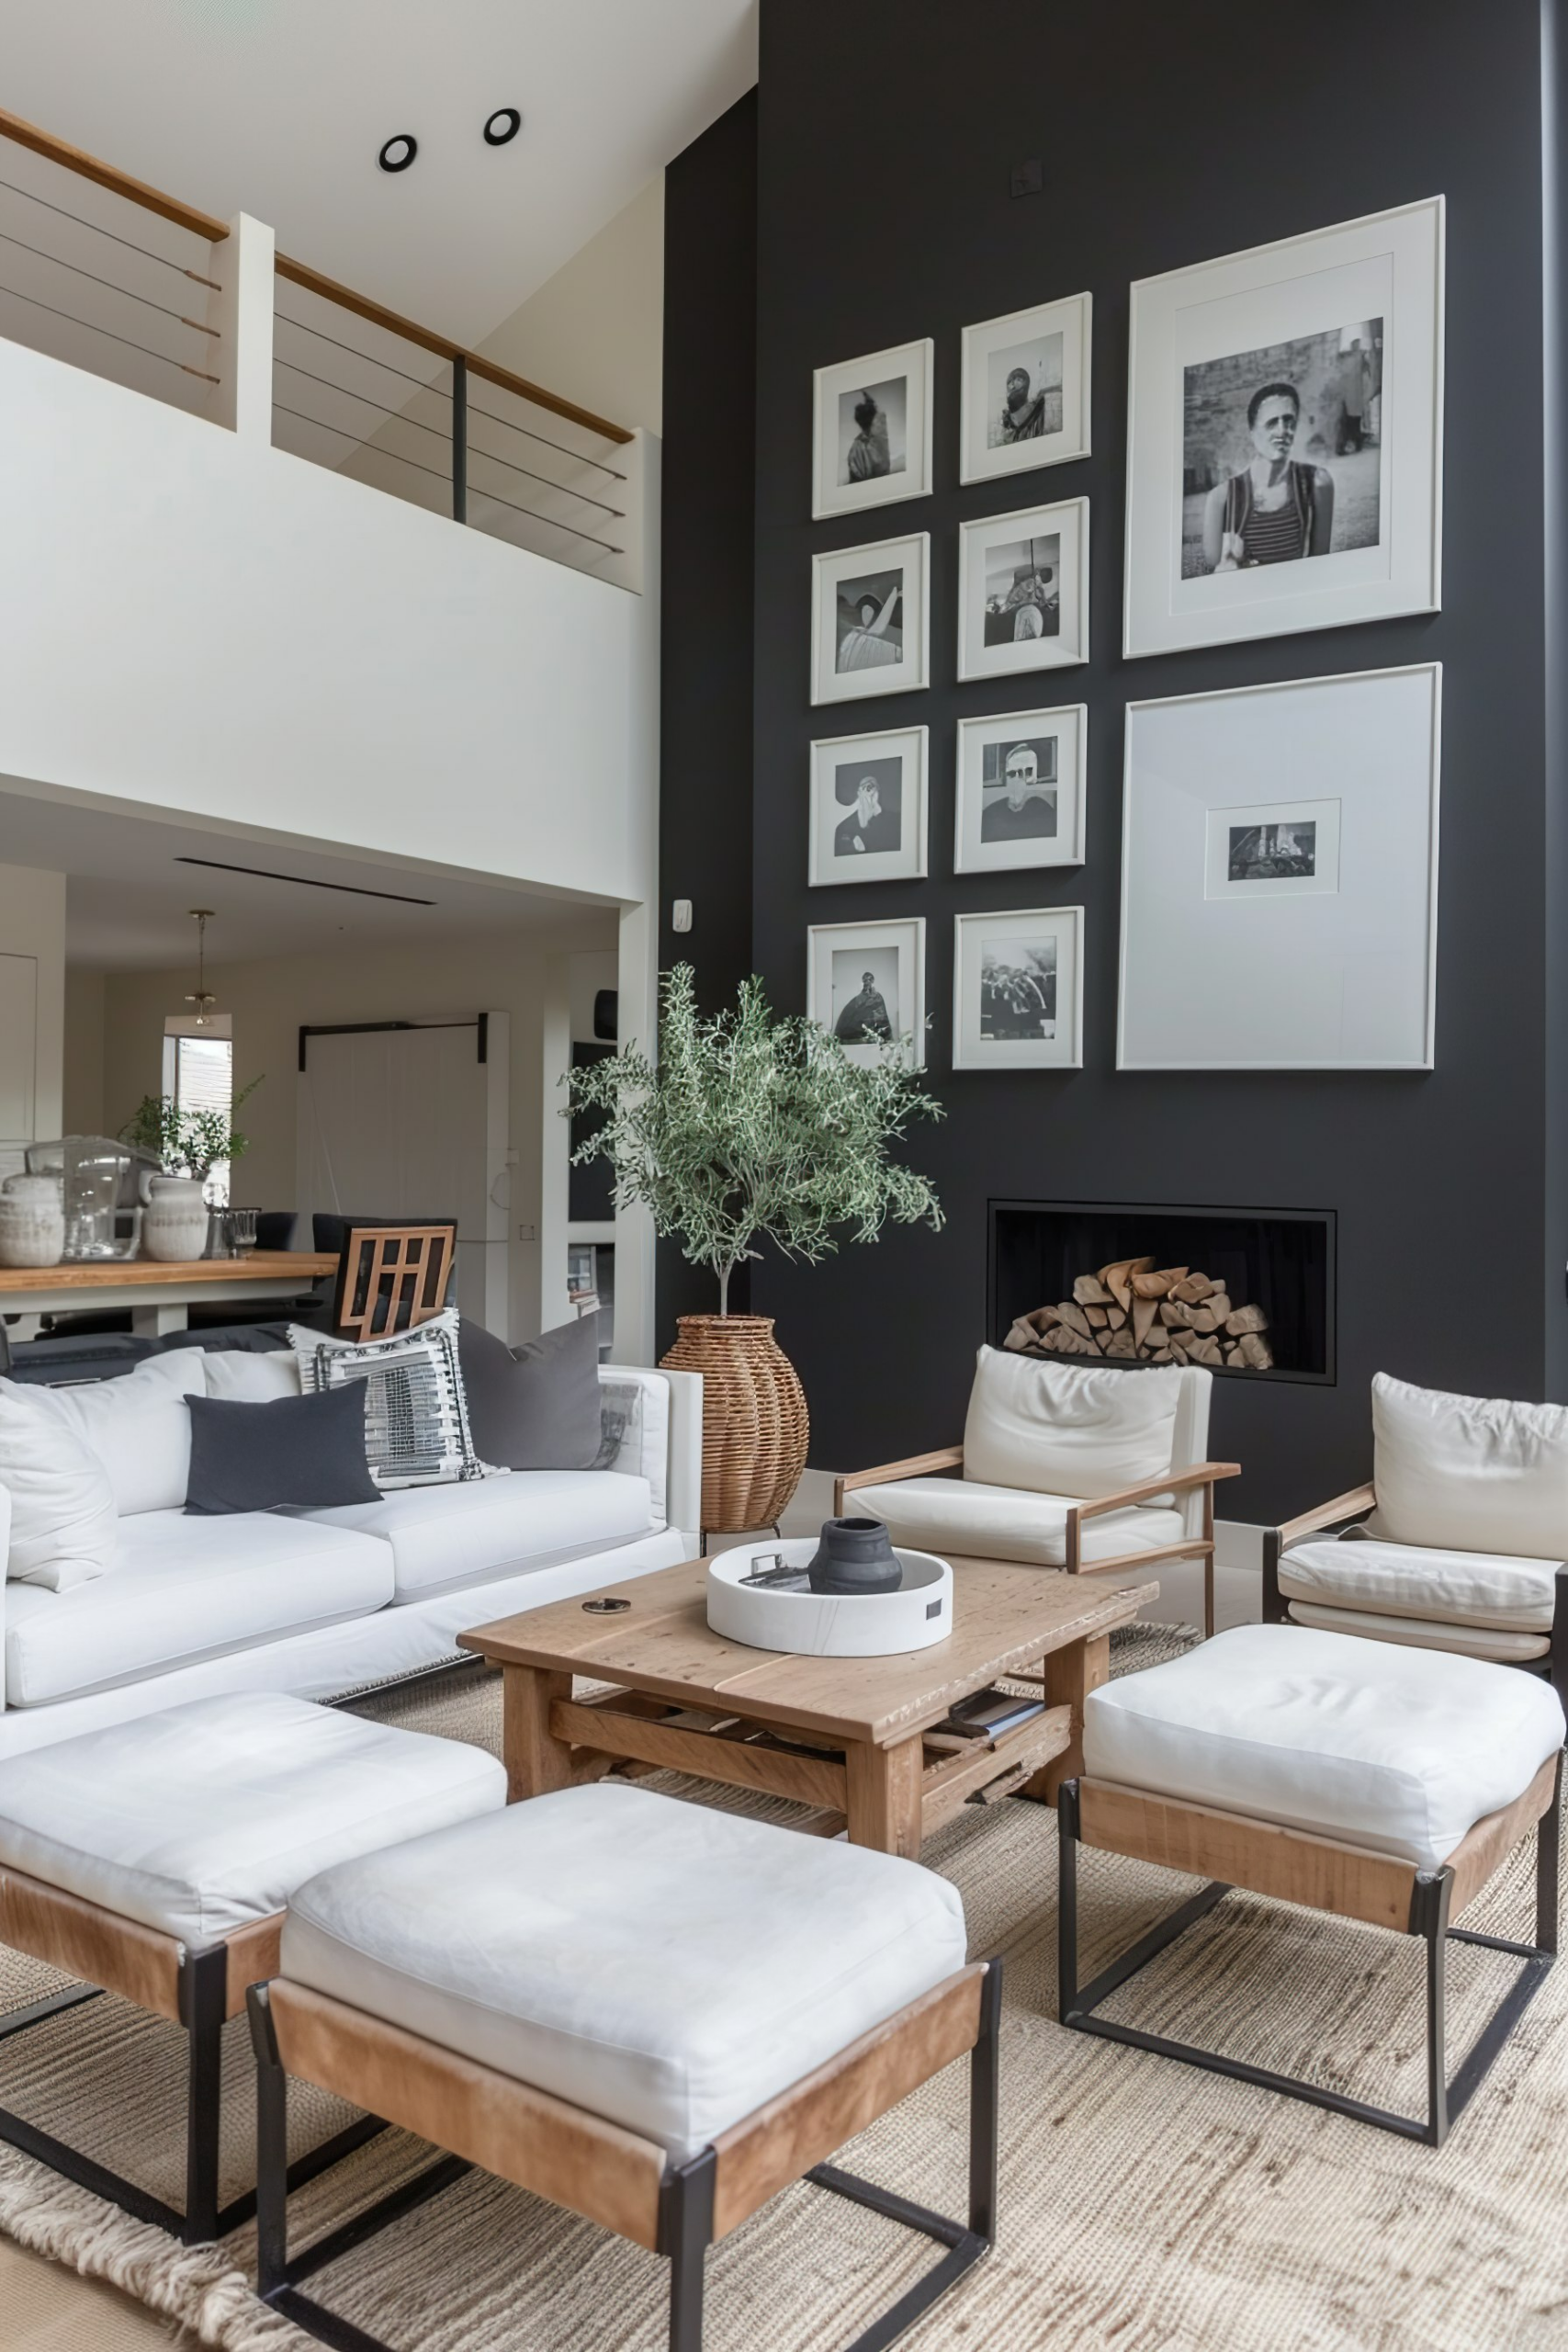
column 174, row 1223
column 32, row 1221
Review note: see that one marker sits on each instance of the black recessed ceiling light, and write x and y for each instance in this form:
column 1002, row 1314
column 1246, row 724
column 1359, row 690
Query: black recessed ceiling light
column 504, row 124
column 398, row 152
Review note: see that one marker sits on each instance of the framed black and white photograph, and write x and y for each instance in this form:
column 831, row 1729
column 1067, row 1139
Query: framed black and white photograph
column 868, row 808
column 1280, row 876
column 869, row 619
column 1023, row 591
column 1284, row 450
column 866, row 984
column 1026, row 381
column 1018, row 990
column 1021, row 790
column 872, row 431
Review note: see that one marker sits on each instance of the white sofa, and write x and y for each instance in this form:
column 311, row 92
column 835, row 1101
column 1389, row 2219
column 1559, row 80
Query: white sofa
column 324, row 1603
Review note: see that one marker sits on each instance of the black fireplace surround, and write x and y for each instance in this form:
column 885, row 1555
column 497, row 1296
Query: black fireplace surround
column 1279, row 1260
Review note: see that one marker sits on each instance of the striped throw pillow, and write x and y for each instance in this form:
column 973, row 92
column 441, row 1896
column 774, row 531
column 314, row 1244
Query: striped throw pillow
column 416, row 1418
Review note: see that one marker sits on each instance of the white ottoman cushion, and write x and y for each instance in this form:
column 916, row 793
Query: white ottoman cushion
column 202, row 1818
column 666, row 1966
column 1512, row 1594
column 1400, row 1751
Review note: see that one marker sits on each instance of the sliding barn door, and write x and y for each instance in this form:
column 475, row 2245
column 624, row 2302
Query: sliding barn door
column 412, row 1124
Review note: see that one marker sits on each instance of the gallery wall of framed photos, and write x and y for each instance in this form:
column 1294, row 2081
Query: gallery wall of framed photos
column 1207, row 230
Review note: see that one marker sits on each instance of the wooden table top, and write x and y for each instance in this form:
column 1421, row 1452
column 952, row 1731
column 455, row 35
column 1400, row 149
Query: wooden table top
column 265, row 1265
column 1004, row 1617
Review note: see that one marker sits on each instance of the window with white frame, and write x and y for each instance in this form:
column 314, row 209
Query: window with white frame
column 198, row 1073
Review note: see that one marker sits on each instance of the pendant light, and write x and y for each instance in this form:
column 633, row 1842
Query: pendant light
column 201, row 995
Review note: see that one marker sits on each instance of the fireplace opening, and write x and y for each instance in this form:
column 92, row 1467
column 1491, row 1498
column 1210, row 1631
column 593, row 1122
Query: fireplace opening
column 1249, row 1293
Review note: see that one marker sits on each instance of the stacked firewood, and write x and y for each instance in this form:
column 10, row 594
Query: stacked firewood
column 1152, row 1315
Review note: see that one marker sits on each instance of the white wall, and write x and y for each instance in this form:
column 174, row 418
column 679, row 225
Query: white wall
column 83, row 1114
column 270, row 1000
column 192, row 619
column 595, row 332
column 32, row 930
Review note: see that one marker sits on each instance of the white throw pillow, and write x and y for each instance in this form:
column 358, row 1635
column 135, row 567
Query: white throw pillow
column 416, row 1415
column 1058, row 1430
column 1469, row 1474
column 252, row 1375
column 139, row 1428
column 64, row 1527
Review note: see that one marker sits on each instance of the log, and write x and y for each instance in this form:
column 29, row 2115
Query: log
column 1116, row 1316
column 1089, row 1291
column 1099, row 1317
column 1022, row 1335
column 1144, row 1315
column 1171, row 1315
column 1257, row 1351
column 1193, row 1289
column 1202, row 1318
column 1120, row 1343
column 1201, row 1349
column 1245, row 1319
column 1074, row 1318
column 1118, row 1277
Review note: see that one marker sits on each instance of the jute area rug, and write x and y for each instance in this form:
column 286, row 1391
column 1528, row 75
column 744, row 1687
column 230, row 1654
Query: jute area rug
column 1144, row 2204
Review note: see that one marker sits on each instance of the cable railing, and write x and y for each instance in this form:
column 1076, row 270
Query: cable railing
column 356, row 388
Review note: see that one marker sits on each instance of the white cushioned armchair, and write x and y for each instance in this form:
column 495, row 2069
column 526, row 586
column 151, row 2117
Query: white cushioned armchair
column 1457, row 1541
column 1082, row 1469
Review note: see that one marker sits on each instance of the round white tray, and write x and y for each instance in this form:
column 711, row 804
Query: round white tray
column 823, row 1624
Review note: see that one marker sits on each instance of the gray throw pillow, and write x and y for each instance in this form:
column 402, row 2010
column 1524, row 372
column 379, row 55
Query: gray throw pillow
column 534, row 1407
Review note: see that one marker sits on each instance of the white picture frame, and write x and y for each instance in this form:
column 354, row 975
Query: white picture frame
column 864, row 788
column 1007, row 764
column 1045, row 548
column 888, row 584
column 838, row 956
column 1001, row 965
column 1257, row 977
column 1051, row 346
column 1350, row 320
column 860, row 461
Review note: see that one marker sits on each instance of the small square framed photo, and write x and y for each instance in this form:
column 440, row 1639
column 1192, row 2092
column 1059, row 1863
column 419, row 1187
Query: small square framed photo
column 866, row 983
column 1023, row 591
column 868, row 808
column 871, row 433
column 1018, row 990
column 1021, row 790
column 1026, row 381
column 869, row 619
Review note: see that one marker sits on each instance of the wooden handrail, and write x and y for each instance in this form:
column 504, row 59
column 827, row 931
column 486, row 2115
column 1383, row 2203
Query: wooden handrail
column 202, row 224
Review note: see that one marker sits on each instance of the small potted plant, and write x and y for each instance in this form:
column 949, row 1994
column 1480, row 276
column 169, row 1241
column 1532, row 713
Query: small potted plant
column 189, row 1144
column 752, row 1127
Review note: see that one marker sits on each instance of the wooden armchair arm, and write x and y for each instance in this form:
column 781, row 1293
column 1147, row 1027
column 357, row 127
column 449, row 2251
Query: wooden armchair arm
column 947, row 1457
column 1346, row 1505
column 1203, row 1473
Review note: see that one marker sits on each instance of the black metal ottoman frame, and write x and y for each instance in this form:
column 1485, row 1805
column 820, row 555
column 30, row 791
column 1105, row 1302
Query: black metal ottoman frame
column 687, row 2219
column 1430, row 1900
column 198, row 1984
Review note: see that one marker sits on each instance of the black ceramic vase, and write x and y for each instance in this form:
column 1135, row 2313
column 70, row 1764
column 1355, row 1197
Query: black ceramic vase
column 855, row 1556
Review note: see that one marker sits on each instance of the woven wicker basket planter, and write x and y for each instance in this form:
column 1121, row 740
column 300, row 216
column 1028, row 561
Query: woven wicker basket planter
column 754, row 1419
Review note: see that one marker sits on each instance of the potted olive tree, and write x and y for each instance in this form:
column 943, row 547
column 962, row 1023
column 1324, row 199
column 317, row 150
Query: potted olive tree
column 752, row 1127
column 189, row 1144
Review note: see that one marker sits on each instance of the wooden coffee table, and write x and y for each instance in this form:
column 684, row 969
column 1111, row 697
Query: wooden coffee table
column 855, row 1737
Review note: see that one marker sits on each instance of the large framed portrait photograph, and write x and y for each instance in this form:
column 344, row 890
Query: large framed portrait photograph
column 1018, row 990
column 1284, row 452
column 1279, row 876
column 1023, row 591
column 1021, row 790
column 871, row 434
column 1026, row 380
column 869, row 629
column 868, row 808
column 866, row 983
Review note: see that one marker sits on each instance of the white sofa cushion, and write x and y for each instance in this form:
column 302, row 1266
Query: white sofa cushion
column 138, row 1427
column 181, row 1589
column 453, row 1536
column 1415, row 1580
column 1424, row 1632
column 634, row 1412
column 949, row 1515
column 1066, row 1429
column 202, row 1818
column 64, row 1527
column 667, row 1965
column 1469, row 1474
column 251, row 1375
column 1397, row 1750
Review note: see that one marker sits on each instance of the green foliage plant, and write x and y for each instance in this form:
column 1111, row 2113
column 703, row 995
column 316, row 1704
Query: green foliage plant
column 754, row 1126
column 188, row 1143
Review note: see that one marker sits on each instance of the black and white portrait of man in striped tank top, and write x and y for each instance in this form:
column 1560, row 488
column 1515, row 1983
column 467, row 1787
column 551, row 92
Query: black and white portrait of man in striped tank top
column 1282, row 457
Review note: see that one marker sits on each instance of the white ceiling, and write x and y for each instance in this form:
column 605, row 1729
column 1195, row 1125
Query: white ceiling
column 127, row 898
column 279, row 111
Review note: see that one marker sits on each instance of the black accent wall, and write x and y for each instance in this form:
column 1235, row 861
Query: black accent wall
column 883, row 212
